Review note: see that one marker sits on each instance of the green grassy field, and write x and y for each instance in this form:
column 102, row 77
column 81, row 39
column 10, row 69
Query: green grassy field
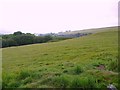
column 89, row 61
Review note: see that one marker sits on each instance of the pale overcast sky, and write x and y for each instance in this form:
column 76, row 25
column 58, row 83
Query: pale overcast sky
column 44, row 16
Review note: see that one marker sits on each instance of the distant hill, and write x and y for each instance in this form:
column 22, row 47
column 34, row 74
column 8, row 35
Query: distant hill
column 79, row 33
column 94, row 30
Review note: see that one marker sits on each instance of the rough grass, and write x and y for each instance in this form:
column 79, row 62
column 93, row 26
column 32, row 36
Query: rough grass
column 68, row 63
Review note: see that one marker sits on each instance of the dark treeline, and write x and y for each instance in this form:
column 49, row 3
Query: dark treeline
column 18, row 38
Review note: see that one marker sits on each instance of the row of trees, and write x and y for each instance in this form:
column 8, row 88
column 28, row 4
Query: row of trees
column 19, row 38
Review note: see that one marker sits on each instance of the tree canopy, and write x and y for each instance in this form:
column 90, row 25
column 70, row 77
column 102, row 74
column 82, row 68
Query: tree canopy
column 18, row 38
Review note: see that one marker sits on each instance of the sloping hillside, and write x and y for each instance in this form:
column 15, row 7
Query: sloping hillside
column 89, row 61
column 94, row 30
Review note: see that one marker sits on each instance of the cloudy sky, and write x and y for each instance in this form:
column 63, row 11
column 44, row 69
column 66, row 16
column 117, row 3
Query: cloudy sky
column 44, row 16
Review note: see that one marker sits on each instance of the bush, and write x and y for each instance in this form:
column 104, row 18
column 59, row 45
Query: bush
column 47, row 38
column 5, row 43
column 39, row 39
column 24, row 39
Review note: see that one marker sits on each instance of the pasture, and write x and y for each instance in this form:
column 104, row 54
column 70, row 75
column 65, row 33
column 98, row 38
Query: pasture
column 85, row 62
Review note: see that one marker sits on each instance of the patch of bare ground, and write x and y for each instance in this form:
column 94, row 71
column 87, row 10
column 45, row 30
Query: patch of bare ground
column 101, row 67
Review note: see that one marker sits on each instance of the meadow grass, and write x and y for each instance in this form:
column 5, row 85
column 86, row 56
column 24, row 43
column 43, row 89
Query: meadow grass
column 69, row 63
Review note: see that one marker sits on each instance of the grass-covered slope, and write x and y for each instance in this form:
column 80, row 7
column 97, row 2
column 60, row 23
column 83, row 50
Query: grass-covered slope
column 89, row 61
